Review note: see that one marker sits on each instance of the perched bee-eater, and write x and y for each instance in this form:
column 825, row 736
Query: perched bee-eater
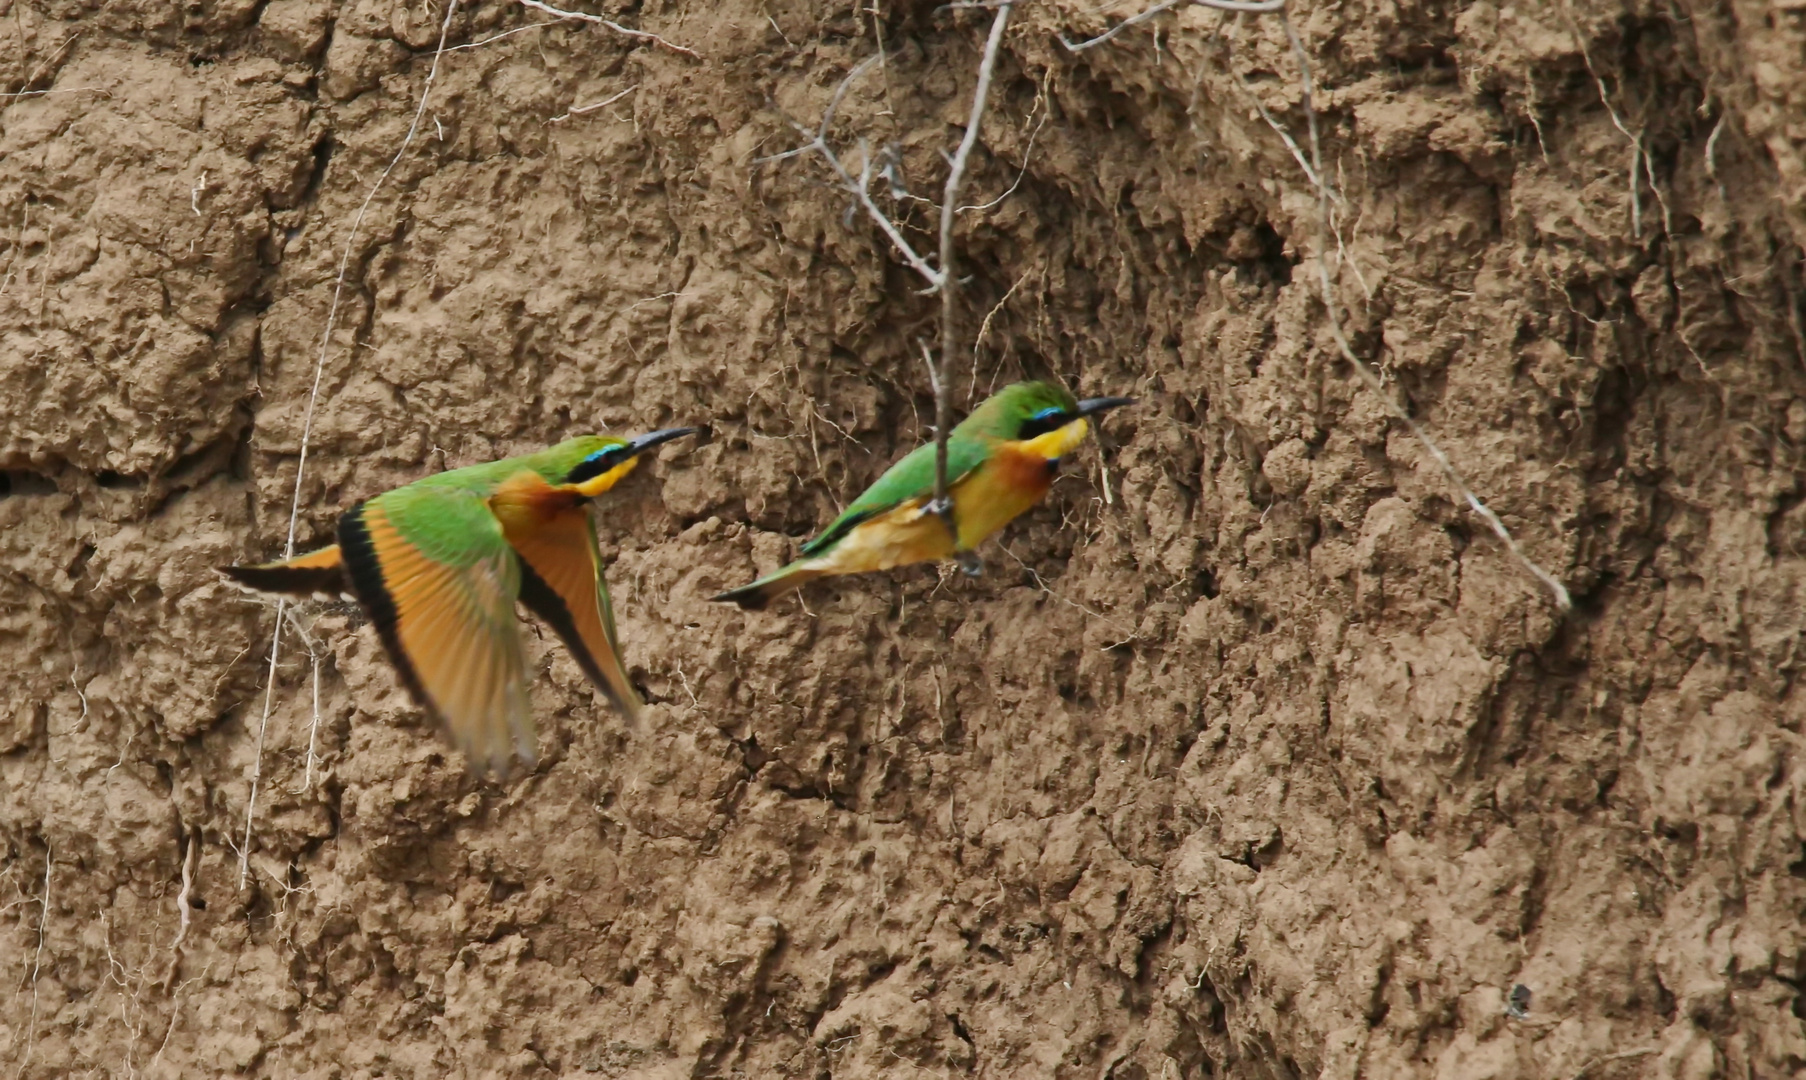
column 439, row 563
column 1000, row 461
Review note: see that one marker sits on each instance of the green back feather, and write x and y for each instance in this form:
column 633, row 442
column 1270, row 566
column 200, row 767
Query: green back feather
column 448, row 522
column 446, row 516
column 997, row 419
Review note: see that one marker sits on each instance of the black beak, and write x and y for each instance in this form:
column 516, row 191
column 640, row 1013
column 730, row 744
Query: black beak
column 1102, row 404
column 643, row 443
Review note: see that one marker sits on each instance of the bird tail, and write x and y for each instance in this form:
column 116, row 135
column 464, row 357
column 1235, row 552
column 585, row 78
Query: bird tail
column 320, row 573
column 755, row 596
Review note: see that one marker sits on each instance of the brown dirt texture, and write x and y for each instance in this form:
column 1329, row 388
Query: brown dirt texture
column 1252, row 754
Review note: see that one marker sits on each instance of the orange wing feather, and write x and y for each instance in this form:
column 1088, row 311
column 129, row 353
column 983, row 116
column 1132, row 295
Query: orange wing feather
column 550, row 529
column 450, row 631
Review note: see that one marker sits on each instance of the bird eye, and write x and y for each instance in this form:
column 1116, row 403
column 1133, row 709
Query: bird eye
column 1043, row 421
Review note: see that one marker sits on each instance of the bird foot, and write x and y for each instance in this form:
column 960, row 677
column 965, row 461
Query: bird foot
column 969, row 562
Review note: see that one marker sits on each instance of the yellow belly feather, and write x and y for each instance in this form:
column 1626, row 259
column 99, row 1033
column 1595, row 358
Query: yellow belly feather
column 989, row 497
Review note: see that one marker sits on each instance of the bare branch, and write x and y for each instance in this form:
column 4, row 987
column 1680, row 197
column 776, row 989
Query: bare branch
column 1250, row 7
column 644, row 35
column 307, row 425
column 840, row 93
column 934, row 370
column 859, row 188
column 184, row 909
column 1557, row 590
column 505, row 33
column 942, row 278
column 1279, row 129
column 956, row 178
column 1639, row 158
column 37, row 963
column 1027, row 153
column 313, row 727
column 1622, row 1055
column 579, row 110
column 1712, row 152
column 70, row 90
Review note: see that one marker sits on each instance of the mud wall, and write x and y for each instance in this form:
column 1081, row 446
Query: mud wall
column 1251, row 755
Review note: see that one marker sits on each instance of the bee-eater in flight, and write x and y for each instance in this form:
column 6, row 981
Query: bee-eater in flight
column 439, row 563
column 1000, row 461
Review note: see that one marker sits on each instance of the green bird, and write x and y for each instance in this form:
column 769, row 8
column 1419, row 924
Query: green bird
column 1000, row 461
column 438, row 565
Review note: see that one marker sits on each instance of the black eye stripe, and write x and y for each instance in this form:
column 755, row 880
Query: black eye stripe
column 1041, row 425
column 597, row 464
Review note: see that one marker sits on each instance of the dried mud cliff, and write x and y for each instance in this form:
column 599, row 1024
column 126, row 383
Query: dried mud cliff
column 1253, row 754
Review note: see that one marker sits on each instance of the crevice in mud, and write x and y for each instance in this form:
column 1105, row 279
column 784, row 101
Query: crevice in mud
column 79, row 564
column 16, row 482
column 1785, row 527
column 813, row 792
column 322, row 153
column 108, row 480
column 1530, row 912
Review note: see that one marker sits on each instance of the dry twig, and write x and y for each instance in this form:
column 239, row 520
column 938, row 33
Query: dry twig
column 942, row 278
column 1252, row 7
column 1327, row 200
column 37, row 964
column 579, row 110
column 1622, row 1055
column 1027, row 153
column 956, row 178
column 628, row 31
column 307, row 422
column 860, row 189
column 504, row 34
column 313, row 727
column 1557, row 591
column 1640, row 166
column 45, row 93
column 191, row 856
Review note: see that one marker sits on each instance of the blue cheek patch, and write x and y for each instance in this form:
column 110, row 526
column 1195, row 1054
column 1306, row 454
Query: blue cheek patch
column 603, row 459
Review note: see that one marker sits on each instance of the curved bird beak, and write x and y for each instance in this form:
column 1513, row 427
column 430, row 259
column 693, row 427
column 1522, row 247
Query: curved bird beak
column 1102, row 404
column 641, row 444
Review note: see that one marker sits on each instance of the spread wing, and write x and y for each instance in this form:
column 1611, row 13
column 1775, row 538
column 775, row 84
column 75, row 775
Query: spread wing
column 561, row 579
column 909, row 479
column 439, row 580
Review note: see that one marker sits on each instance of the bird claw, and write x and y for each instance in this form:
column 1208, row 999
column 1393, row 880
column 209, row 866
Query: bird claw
column 969, row 563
